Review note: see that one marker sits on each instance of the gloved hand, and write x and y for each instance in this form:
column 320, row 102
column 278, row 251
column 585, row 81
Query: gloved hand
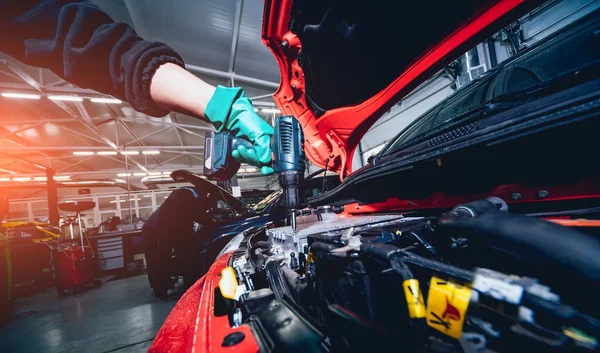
column 230, row 110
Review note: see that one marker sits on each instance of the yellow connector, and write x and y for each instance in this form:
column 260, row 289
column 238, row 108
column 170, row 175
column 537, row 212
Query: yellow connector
column 228, row 283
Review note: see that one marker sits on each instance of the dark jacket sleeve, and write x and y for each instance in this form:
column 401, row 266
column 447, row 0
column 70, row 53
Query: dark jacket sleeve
column 82, row 44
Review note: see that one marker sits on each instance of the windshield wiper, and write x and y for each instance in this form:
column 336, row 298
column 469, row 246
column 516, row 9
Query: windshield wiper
column 565, row 80
column 506, row 101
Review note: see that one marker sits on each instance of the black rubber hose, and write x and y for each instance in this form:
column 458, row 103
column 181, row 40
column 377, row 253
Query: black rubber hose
column 325, row 247
column 384, row 251
column 277, row 281
column 379, row 250
column 261, row 244
column 566, row 259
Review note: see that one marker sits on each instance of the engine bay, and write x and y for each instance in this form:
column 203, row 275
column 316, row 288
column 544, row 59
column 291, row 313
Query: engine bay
column 474, row 279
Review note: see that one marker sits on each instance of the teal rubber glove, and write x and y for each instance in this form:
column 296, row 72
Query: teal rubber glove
column 230, row 110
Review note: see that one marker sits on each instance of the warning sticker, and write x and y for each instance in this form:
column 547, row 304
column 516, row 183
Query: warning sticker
column 447, row 305
column 414, row 299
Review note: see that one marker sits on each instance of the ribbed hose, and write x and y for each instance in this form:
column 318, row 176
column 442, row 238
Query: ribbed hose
column 385, row 251
column 436, row 266
column 277, row 281
column 399, row 266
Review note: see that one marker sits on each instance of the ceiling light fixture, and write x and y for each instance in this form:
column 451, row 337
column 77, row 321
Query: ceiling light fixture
column 120, row 181
column 4, row 179
column 255, row 110
column 106, row 100
column 107, row 153
column 122, row 175
column 62, row 177
column 139, row 174
column 66, row 98
column 40, row 178
column 270, row 110
column 147, row 195
column 154, row 173
column 151, row 152
column 130, row 153
column 21, row 179
column 21, row 95
column 167, row 173
column 83, row 153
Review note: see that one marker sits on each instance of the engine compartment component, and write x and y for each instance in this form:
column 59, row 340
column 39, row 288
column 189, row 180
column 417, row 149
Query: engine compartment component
column 360, row 283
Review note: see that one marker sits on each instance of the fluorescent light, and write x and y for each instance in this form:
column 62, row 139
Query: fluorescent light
column 151, row 152
column 40, row 178
column 4, row 179
column 147, row 195
column 122, row 175
column 8, row 171
column 167, row 173
column 21, row 179
column 165, row 197
column 270, row 110
column 66, row 98
column 139, row 174
column 62, row 177
column 154, row 173
column 120, row 181
column 130, row 153
column 69, row 201
column 106, row 100
column 107, row 153
column 83, row 153
column 21, row 95
column 255, row 109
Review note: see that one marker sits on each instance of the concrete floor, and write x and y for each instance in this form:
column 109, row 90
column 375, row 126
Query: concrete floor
column 121, row 316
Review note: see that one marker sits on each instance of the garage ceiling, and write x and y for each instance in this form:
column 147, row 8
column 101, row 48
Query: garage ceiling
column 219, row 41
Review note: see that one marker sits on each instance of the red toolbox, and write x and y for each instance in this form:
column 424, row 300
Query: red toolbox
column 74, row 268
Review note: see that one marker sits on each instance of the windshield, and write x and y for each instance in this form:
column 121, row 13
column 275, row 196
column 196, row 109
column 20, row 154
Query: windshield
column 266, row 201
column 479, row 82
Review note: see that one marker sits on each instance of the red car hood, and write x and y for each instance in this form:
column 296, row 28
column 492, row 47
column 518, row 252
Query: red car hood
column 344, row 64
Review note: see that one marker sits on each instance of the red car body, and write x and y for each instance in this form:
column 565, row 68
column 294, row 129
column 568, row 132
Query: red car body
column 331, row 139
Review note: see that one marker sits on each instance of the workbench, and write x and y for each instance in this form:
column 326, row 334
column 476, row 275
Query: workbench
column 116, row 249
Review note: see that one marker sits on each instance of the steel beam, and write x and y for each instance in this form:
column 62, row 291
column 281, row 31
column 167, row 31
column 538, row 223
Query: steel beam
column 75, row 132
column 20, row 87
column 10, row 133
column 52, row 197
column 138, row 139
column 156, row 121
column 37, row 165
column 77, row 163
column 231, row 75
column 96, row 148
column 102, row 121
column 236, row 32
column 173, row 117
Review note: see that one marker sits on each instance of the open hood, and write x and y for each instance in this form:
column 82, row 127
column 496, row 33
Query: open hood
column 343, row 64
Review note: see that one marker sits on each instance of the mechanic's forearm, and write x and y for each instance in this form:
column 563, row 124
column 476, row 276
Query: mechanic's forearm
column 174, row 88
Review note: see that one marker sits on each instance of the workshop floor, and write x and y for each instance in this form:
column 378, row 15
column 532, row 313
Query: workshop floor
column 121, row 316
